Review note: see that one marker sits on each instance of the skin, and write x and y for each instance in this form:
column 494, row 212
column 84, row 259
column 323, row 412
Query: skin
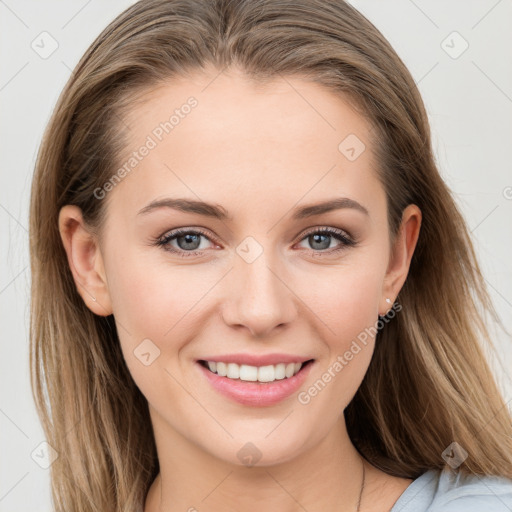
column 259, row 152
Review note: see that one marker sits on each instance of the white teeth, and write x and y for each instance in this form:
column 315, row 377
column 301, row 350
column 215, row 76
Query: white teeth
column 233, row 371
column 222, row 369
column 249, row 373
column 280, row 371
column 266, row 373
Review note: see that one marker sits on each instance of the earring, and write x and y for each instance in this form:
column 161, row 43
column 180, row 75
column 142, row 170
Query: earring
column 388, row 300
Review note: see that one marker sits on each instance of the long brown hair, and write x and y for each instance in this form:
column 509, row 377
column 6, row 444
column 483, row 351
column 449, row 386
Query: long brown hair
column 428, row 383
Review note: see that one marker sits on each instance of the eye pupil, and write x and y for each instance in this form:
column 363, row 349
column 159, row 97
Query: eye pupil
column 316, row 238
column 190, row 238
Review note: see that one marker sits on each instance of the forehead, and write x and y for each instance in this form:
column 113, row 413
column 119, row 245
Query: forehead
column 224, row 134
column 231, row 103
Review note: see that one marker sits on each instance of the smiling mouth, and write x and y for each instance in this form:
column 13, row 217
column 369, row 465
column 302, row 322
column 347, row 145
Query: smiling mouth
column 260, row 374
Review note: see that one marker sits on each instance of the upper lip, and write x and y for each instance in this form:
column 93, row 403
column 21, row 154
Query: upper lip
column 257, row 360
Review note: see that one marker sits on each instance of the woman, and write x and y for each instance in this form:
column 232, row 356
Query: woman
column 251, row 287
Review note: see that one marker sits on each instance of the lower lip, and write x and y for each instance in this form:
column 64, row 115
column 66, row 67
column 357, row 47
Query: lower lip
column 257, row 394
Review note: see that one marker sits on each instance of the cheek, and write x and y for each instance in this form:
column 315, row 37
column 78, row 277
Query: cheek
column 151, row 299
column 346, row 306
column 158, row 309
column 345, row 300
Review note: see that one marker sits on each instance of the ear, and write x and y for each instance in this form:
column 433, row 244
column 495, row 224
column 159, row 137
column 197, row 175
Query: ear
column 85, row 260
column 400, row 256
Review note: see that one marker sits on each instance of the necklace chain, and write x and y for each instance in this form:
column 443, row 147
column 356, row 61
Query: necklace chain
column 362, row 488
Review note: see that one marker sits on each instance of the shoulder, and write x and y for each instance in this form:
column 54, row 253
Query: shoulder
column 453, row 491
column 467, row 493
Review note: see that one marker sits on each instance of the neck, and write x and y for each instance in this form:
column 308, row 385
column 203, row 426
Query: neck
column 327, row 476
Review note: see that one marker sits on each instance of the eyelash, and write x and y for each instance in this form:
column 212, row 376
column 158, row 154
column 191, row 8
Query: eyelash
column 338, row 234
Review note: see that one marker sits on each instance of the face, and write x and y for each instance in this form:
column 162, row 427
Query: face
column 258, row 272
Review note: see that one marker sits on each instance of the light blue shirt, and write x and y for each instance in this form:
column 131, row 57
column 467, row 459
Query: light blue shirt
column 452, row 491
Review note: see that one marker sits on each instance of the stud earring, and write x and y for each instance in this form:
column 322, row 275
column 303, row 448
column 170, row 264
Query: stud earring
column 388, row 301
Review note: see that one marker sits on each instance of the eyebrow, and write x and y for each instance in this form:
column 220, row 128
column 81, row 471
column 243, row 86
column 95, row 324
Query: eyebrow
column 328, row 206
column 218, row 212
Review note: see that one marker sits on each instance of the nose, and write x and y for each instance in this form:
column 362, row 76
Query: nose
column 259, row 299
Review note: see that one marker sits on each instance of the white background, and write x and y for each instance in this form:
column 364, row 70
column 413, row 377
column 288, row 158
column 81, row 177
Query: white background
column 469, row 100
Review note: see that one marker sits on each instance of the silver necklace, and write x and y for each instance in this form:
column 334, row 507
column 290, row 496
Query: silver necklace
column 362, row 488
